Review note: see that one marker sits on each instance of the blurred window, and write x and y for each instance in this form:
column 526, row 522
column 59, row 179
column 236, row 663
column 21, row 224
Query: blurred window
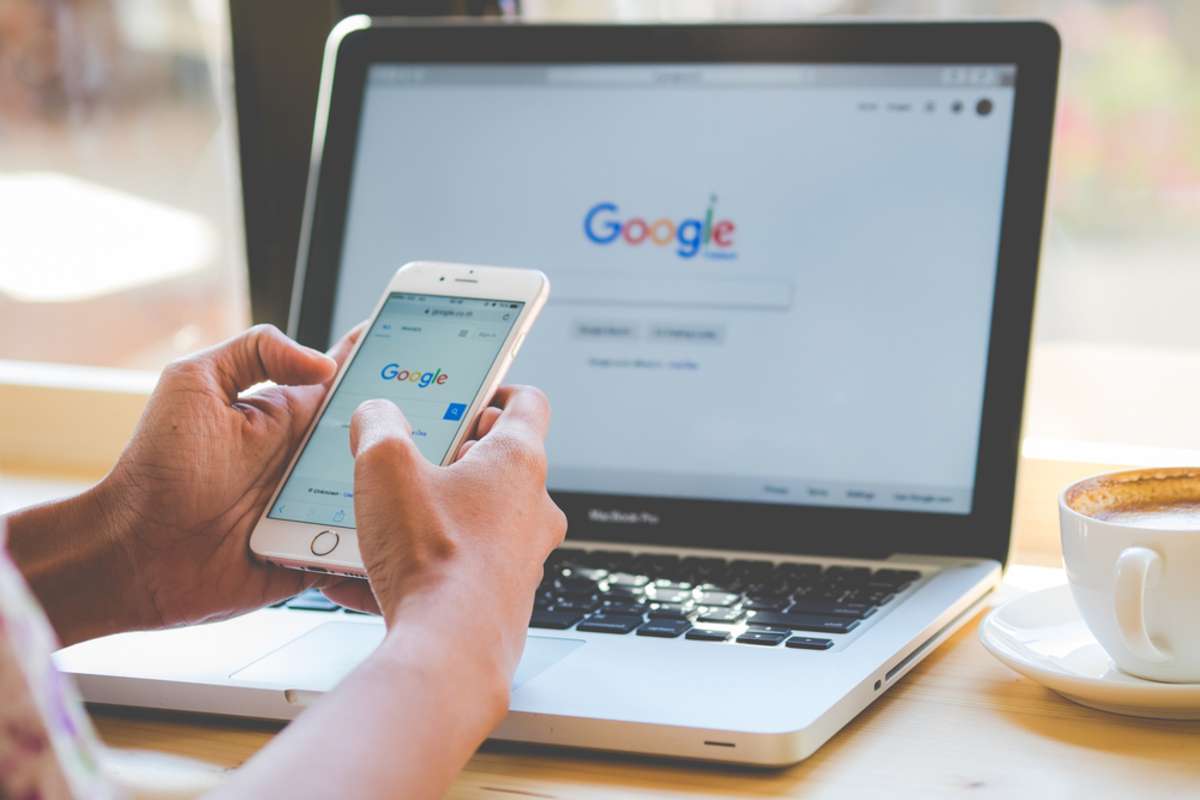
column 122, row 244
column 118, row 181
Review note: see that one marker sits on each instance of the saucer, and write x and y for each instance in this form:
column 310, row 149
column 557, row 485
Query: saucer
column 1042, row 636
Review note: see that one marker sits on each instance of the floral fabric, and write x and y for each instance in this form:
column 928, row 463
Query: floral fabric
column 48, row 750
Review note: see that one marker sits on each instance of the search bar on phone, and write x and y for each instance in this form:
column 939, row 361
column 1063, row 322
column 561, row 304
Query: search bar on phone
column 625, row 290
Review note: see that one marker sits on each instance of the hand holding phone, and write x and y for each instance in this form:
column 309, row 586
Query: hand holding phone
column 438, row 344
column 455, row 539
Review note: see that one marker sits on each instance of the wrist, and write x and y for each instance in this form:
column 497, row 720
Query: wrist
column 457, row 648
column 72, row 553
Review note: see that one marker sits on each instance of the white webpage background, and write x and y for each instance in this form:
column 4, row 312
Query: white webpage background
column 876, row 232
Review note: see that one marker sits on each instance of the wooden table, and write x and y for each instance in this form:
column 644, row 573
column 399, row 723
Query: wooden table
column 960, row 724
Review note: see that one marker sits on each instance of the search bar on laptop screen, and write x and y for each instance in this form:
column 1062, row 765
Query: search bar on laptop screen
column 620, row 290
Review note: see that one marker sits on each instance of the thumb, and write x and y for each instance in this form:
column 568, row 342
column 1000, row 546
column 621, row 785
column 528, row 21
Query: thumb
column 380, row 423
column 387, row 463
column 264, row 353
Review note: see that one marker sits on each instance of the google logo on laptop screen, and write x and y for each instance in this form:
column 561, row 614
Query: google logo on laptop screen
column 603, row 224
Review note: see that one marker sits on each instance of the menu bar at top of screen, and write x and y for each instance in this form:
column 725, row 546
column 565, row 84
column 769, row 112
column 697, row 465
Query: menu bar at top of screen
column 707, row 76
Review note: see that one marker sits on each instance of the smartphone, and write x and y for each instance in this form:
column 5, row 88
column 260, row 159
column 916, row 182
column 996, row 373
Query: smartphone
column 438, row 344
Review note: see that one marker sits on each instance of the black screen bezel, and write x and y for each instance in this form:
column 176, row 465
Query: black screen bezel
column 1032, row 46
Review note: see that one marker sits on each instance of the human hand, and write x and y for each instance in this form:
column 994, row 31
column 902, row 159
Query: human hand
column 201, row 467
column 461, row 545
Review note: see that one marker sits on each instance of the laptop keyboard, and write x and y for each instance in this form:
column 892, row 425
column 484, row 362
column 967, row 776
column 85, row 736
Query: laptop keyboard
column 710, row 599
column 704, row 599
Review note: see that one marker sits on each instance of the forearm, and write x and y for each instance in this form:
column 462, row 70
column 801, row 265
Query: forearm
column 69, row 553
column 402, row 725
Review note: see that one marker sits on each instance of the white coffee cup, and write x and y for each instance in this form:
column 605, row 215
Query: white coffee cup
column 1131, row 545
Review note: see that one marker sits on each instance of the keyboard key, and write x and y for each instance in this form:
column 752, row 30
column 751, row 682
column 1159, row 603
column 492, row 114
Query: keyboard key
column 670, row 610
column 769, row 589
column 723, row 599
column 875, row 586
column 672, row 585
column 580, row 579
column 624, row 593
column 769, row 638
column 804, row 622
column 809, row 643
column 566, row 594
column 776, row 603
column 664, row 628
column 575, row 585
column 627, row 580
column 655, row 565
column 873, row 598
column 609, row 623
column 852, row 610
column 723, row 615
column 743, row 566
column 798, row 572
column 622, row 606
column 895, row 577
column 660, row 595
column 614, row 560
column 847, row 575
column 582, row 605
column 698, row 570
column 564, row 554
column 590, row 574
column 707, row 635
column 555, row 620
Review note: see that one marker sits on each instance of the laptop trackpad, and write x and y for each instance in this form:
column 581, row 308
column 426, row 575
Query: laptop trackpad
column 316, row 661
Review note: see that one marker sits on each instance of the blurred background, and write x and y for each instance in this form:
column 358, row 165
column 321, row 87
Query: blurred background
column 132, row 204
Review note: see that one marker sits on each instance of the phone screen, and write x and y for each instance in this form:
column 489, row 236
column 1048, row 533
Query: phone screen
column 429, row 354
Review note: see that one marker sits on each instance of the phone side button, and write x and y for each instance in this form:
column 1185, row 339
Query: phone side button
column 324, row 543
column 517, row 346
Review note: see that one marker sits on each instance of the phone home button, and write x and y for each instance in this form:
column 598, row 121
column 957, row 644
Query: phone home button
column 324, row 543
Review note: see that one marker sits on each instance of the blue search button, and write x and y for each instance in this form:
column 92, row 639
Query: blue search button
column 455, row 411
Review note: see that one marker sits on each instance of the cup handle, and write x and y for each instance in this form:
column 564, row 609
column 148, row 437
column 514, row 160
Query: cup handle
column 1137, row 569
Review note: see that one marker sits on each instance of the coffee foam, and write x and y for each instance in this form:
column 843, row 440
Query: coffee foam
column 1167, row 498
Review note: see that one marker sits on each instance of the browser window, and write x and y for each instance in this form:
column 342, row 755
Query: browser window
column 429, row 355
column 771, row 283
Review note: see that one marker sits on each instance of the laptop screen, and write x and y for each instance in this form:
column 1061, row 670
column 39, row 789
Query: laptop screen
column 769, row 283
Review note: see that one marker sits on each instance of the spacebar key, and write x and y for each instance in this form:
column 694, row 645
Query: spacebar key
column 804, row 622
column 556, row 620
column 609, row 623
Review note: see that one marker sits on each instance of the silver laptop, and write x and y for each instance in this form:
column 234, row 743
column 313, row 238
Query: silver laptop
column 794, row 270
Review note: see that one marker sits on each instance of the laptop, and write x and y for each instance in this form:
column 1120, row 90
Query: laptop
column 793, row 270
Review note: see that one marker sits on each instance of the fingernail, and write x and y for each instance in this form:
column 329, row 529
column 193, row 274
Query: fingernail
column 316, row 352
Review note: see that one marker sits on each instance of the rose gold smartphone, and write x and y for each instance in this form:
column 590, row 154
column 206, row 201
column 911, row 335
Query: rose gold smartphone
column 439, row 343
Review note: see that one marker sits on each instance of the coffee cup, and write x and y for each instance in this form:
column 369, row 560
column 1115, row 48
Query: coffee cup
column 1131, row 546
